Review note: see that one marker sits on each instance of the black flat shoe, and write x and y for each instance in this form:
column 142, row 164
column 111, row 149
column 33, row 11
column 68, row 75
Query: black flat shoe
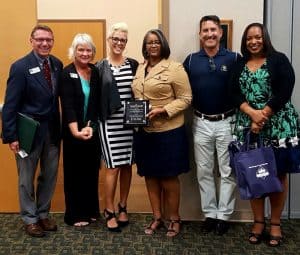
column 108, row 216
column 123, row 210
column 256, row 238
column 275, row 241
column 209, row 225
column 222, row 227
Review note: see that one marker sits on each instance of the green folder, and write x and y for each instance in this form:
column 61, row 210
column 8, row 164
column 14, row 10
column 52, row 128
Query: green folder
column 27, row 128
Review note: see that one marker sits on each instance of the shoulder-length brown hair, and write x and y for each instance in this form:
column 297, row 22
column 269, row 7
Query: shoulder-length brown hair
column 165, row 48
column 267, row 44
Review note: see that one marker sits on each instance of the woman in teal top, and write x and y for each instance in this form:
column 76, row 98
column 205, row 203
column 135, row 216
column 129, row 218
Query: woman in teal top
column 81, row 147
column 262, row 84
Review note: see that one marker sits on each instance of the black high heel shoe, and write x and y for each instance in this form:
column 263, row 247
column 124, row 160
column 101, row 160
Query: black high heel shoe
column 123, row 210
column 275, row 241
column 256, row 238
column 108, row 216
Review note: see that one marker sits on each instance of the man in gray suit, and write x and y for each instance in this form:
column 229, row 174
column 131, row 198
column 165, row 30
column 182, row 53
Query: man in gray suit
column 32, row 90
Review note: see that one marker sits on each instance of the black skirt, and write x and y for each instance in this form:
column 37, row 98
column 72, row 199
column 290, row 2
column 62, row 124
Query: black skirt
column 161, row 154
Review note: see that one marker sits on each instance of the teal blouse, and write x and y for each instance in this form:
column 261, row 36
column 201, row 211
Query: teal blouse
column 85, row 84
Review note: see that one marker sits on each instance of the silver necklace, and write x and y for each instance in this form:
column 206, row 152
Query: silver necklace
column 116, row 69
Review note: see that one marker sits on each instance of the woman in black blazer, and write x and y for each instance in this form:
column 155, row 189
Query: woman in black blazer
column 81, row 148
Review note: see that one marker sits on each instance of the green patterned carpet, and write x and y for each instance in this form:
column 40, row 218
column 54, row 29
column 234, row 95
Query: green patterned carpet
column 96, row 240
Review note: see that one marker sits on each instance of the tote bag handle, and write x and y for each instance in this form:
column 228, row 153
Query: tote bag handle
column 248, row 140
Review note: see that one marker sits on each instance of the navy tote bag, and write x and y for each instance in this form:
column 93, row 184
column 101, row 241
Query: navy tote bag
column 255, row 169
column 288, row 158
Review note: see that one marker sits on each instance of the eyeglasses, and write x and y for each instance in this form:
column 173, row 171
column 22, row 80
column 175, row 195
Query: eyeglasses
column 154, row 43
column 118, row 40
column 212, row 65
column 41, row 40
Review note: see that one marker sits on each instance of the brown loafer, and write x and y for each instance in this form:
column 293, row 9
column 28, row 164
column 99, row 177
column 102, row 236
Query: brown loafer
column 47, row 224
column 34, row 230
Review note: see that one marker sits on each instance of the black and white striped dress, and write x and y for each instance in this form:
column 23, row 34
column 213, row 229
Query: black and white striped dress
column 116, row 140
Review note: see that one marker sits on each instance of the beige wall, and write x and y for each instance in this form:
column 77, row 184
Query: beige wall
column 184, row 21
column 140, row 15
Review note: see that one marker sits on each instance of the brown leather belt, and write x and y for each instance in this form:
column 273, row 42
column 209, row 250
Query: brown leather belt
column 215, row 117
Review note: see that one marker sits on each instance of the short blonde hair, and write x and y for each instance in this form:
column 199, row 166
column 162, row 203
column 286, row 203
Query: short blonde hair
column 120, row 26
column 81, row 39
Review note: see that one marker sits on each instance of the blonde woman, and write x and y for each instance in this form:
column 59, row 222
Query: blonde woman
column 81, row 147
column 116, row 74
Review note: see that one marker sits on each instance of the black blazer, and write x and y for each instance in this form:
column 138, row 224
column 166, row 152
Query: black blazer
column 108, row 96
column 282, row 81
column 28, row 92
column 72, row 98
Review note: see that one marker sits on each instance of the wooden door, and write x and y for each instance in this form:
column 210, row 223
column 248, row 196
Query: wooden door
column 65, row 30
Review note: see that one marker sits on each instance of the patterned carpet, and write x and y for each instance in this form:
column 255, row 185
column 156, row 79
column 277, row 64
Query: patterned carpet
column 96, row 240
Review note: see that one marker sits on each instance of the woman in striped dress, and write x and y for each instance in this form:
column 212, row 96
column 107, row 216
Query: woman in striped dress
column 116, row 74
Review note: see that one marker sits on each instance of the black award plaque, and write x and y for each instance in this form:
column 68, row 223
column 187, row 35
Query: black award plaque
column 135, row 113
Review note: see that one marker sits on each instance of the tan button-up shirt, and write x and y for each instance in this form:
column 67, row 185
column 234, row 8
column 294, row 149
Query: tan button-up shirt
column 166, row 85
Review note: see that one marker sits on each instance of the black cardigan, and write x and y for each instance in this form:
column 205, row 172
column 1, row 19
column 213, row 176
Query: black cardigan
column 72, row 98
column 108, row 96
column 282, row 81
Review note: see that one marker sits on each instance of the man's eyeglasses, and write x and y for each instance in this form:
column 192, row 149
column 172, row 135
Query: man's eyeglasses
column 212, row 65
column 154, row 43
column 41, row 40
column 118, row 40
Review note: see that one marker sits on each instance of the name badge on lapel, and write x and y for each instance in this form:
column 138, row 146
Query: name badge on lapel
column 34, row 70
column 74, row 75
